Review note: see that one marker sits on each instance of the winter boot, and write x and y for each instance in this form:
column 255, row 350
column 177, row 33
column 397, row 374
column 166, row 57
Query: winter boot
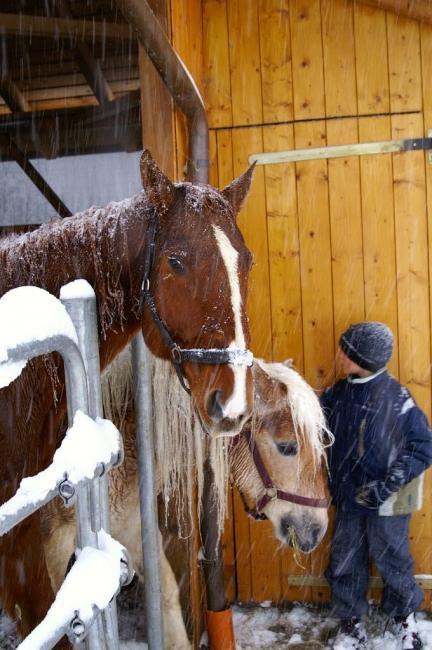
column 352, row 635
column 408, row 632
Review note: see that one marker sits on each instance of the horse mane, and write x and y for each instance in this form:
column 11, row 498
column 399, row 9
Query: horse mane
column 91, row 244
column 181, row 447
column 307, row 415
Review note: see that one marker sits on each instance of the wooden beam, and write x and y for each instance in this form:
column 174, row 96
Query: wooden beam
column 12, row 95
column 16, row 154
column 425, row 581
column 89, row 66
column 420, row 10
column 52, row 27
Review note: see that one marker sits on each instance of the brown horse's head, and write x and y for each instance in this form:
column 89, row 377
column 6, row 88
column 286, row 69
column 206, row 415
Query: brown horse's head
column 287, row 430
column 198, row 283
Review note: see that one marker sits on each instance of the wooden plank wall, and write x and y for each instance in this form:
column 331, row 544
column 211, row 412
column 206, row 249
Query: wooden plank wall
column 334, row 241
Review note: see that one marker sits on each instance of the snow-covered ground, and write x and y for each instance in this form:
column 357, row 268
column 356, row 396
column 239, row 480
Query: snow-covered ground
column 301, row 626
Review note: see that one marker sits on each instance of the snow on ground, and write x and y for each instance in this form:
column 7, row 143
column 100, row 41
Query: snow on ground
column 297, row 627
column 309, row 627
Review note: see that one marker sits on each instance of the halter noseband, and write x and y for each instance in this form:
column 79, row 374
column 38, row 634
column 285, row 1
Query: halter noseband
column 233, row 356
column 271, row 492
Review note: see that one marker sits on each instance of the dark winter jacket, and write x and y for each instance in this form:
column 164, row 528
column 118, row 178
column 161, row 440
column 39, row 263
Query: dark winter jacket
column 377, row 427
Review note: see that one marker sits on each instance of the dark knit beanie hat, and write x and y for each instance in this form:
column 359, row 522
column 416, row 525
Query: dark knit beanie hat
column 369, row 344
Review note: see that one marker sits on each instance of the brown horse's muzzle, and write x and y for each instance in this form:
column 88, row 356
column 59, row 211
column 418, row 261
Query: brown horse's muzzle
column 223, row 397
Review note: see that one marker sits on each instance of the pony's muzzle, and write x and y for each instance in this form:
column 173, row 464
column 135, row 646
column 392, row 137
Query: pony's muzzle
column 307, row 533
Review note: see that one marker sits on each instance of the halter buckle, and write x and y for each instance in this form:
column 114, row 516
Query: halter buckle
column 271, row 492
column 176, row 354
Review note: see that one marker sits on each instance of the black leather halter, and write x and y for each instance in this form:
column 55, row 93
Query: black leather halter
column 271, row 492
column 233, row 356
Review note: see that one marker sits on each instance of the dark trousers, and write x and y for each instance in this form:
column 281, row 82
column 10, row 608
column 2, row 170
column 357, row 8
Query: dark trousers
column 385, row 540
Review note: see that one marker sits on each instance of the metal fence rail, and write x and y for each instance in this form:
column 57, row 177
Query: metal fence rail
column 81, row 363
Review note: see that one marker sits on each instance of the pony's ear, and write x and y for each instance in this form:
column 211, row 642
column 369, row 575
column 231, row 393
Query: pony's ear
column 235, row 193
column 159, row 189
column 289, row 363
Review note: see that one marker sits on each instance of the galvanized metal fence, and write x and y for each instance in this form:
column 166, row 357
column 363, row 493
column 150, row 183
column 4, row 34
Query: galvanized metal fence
column 87, row 622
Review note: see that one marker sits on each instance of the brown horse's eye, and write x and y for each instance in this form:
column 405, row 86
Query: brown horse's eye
column 287, row 448
column 176, row 264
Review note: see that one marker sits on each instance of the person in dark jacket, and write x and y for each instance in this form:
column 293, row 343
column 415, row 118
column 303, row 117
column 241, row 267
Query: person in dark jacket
column 382, row 442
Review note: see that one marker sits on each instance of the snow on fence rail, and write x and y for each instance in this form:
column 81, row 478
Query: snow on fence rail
column 33, row 322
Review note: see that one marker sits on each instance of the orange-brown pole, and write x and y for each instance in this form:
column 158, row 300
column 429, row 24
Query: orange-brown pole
column 220, row 630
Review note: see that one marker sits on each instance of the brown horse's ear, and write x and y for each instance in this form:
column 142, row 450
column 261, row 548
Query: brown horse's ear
column 159, row 189
column 235, row 193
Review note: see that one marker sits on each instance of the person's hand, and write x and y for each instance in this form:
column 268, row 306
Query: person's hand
column 373, row 494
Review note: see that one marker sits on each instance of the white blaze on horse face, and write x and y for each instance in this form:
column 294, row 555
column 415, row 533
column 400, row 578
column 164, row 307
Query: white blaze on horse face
column 237, row 403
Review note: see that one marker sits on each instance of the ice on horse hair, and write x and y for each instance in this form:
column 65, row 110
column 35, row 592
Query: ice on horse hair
column 170, row 261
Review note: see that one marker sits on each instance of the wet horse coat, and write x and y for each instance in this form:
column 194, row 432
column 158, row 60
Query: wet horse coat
column 197, row 294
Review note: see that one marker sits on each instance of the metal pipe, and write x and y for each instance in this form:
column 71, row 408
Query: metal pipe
column 141, row 364
column 177, row 79
column 83, row 313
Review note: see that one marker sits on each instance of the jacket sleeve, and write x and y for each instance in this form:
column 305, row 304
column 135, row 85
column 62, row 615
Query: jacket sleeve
column 415, row 456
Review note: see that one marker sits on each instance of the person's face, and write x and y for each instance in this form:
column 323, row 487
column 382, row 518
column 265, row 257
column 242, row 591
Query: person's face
column 345, row 366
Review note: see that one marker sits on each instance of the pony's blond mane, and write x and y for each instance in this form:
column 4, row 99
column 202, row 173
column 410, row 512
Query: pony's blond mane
column 181, row 447
column 306, row 412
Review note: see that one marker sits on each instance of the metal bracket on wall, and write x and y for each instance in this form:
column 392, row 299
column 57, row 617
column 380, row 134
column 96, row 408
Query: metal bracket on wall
column 345, row 150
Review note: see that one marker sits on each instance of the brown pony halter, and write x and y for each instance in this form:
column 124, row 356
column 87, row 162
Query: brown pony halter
column 234, row 356
column 271, row 492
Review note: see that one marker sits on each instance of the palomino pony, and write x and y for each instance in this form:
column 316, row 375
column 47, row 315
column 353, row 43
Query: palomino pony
column 285, row 437
column 170, row 261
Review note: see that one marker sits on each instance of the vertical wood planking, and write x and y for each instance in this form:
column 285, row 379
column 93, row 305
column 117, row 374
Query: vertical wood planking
column 245, row 62
column 307, row 59
column 213, row 160
column 186, row 25
column 216, row 66
column 346, row 229
column 275, row 51
column 252, row 222
column 315, row 257
column 378, row 230
column 426, row 60
column 281, row 199
column 316, row 275
column 339, row 58
column 413, row 298
column 157, row 110
column 371, row 60
column 404, row 64
column 368, row 63
column 412, row 264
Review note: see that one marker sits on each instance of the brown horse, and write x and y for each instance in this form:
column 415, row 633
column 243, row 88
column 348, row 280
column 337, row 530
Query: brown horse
column 170, row 261
column 288, row 431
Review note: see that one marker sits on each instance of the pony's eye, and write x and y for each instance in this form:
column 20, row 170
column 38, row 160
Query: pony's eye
column 176, row 264
column 287, row 448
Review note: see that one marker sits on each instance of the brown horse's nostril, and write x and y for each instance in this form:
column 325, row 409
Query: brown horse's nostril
column 214, row 407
